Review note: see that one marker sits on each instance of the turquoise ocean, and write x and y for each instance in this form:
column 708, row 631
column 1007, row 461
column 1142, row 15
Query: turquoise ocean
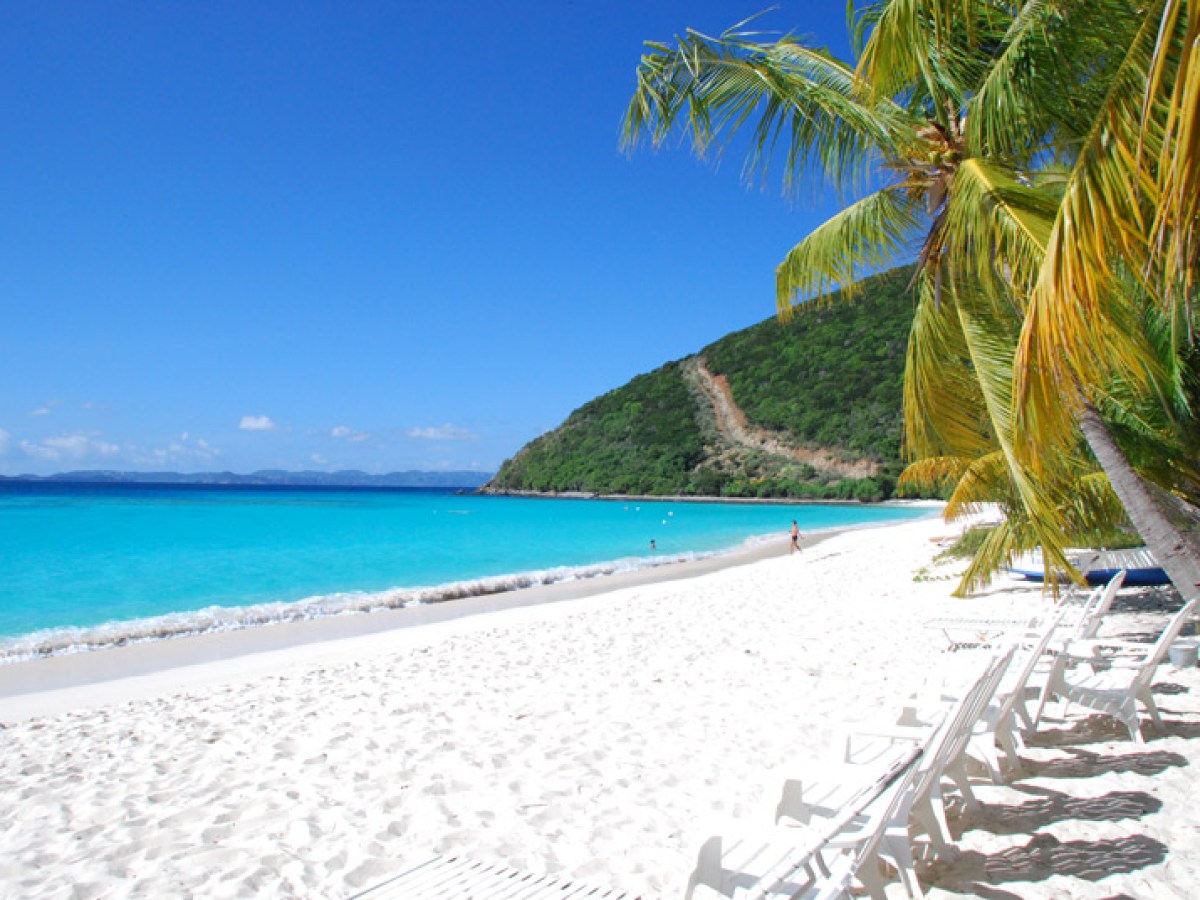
column 85, row 566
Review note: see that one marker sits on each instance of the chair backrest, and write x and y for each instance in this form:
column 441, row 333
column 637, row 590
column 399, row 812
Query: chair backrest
column 1090, row 624
column 836, row 883
column 950, row 739
column 1158, row 651
column 1030, row 663
column 777, row 866
column 1078, row 606
column 1082, row 601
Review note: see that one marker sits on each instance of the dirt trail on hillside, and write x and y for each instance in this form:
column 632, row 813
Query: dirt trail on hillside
column 732, row 425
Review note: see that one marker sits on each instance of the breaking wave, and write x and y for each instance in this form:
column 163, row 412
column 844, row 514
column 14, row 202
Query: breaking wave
column 52, row 642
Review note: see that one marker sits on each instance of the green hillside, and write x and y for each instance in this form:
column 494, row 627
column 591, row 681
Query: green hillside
column 816, row 413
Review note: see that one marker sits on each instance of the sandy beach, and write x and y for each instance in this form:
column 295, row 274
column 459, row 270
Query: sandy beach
column 601, row 738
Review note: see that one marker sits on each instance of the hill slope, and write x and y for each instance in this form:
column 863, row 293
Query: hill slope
column 808, row 409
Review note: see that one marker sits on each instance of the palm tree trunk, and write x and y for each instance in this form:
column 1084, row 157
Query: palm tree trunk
column 1170, row 546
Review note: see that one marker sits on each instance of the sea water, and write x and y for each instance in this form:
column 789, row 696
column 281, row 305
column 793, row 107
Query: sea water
column 88, row 565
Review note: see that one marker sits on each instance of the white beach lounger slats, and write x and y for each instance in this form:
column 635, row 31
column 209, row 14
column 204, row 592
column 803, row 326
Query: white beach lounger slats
column 840, row 833
column 1113, row 685
column 802, row 861
column 997, row 725
column 922, row 810
column 456, row 878
column 1078, row 616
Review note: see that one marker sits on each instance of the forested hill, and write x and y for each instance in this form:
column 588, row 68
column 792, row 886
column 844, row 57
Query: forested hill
column 807, row 409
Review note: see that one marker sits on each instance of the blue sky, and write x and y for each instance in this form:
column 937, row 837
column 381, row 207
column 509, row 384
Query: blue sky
column 383, row 236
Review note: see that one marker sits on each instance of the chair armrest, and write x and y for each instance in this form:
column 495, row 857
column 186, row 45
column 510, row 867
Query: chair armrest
column 912, row 733
column 1102, row 660
column 1098, row 646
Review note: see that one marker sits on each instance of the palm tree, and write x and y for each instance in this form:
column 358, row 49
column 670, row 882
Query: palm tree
column 952, row 99
column 947, row 433
column 1129, row 203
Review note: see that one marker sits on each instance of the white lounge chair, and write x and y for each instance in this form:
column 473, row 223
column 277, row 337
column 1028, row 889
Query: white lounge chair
column 817, row 860
column 922, row 807
column 1081, row 615
column 1089, row 623
column 1113, row 683
column 997, row 726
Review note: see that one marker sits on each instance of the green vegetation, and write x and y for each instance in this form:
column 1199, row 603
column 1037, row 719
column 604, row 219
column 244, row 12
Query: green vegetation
column 832, row 377
column 968, row 544
column 639, row 439
column 829, row 381
column 1058, row 273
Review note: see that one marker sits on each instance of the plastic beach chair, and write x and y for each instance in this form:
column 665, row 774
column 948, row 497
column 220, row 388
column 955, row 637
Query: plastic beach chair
column 1081, row 617
column 815, row 861
column 997, row 726
column 922, row 807
column 1113, row 683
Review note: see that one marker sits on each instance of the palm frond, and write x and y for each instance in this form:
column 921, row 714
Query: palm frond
column 936, row 52
column 984, row 480
column 863, row 237
column 1102, row 214
column 812, row 102
column 1093, row 508
column 1175, row 85
column 999, row 548
column 998, row 224
column 990, row 340
column 944, row 412
column 932, row 475
column 1043, row 85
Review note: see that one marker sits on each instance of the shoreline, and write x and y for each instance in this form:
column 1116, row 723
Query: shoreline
column 109, row 673
column 449, row 581
column 23, row 680
column 601, row 740
column 695, row 498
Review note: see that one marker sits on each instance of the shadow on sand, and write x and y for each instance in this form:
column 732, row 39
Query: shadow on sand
column 1043, row 857
column 1080, row 763
column 1049, row 806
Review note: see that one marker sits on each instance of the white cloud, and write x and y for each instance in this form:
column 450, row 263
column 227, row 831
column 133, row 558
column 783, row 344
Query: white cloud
column 257, row 423
column 344, row 433
column 44, row 410
column 445, row 432
column 319, row 459
column 69, row 447
column 4, row 441
column 186, row 451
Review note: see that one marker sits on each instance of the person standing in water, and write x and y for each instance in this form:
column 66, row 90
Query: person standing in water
column 795, row 537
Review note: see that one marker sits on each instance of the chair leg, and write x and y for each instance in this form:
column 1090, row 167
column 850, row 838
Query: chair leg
column 1133, row 723
column 987, row 750
column 1009, row 741
column 1152, row 708
column 957, row 773
column 1049, row 689
column 930, row 815
column 872, row 882
column 898, row 846
column 1027, row 723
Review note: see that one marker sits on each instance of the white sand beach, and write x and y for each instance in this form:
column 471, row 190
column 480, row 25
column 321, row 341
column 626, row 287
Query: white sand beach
column 601, row 738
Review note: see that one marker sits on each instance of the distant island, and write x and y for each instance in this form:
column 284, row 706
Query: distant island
column 272, row 477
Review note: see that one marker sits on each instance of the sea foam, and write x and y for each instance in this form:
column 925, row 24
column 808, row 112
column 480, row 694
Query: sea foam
column 56, row 641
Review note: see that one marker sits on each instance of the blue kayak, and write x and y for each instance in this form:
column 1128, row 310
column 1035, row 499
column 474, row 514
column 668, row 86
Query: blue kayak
column 1147, row 577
